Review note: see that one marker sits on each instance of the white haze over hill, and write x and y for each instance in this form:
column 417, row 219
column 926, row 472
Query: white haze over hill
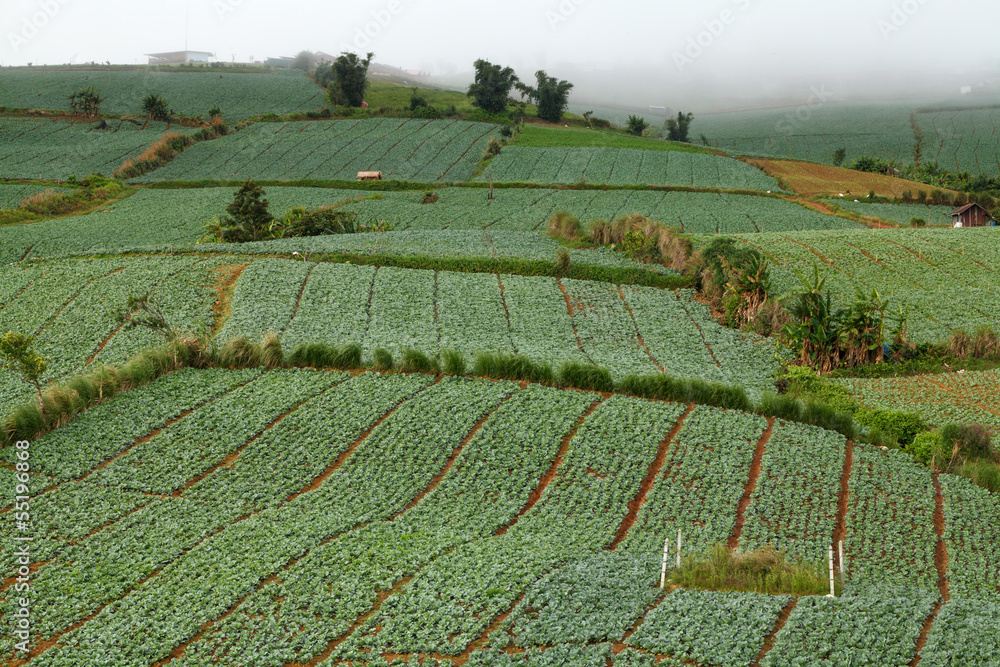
column 720, row 52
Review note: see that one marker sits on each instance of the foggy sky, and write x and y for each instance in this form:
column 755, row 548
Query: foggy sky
column 718, row 43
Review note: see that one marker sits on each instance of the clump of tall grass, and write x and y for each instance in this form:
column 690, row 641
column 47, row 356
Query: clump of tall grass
column 650, row 238
column 62, row 401
column 321, row 355
column 382, row 360
column 766, row 571
column 687, row 390
column 566, row 226
column 415, row 361
column 160, row 152
column 984, row 344
column 512, row 367
column 452, row 362
column 585, row 376
column 981, row 473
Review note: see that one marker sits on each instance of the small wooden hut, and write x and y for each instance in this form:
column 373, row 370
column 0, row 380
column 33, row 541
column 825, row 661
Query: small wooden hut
column 369, row 175
column 971, row 215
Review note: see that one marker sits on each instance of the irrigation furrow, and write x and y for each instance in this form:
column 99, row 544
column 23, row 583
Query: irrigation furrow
column 941, row 563
column 755, row 468
column 506, row 311
column 572, row 319
column 550, row 474
column 638, row 334
column 840, row 527
column 772, row 636
column 649, row 480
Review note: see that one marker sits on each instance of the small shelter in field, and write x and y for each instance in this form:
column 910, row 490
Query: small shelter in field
column 369, row 175
column 971, row 215
column 177, row 57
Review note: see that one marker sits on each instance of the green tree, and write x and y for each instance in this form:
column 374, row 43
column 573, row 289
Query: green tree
column 491, row 89
column 155, row 107
column 249, row 218
column 144, row 311
column 677, row 128
column 417, row 100
column 305, row 61
column 839, row 156
column 348, row 79
column 20, row 357
column 86, row 102
column 637, row 125
column 550, row 94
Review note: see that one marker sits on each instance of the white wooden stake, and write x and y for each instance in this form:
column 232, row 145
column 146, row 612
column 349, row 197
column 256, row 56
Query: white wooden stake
column 678, row 547
column 832, row 589
column 843, row 566
column 663, row 572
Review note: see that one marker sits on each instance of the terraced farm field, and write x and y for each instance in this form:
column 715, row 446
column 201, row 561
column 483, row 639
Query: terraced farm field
column 58, row 149
column 415, row 150
column 963, row 140
column 625, row 329
column 190, row 93
column 862, row 129
column 472, row 521
column 902, row 213
column 529, row 209
column 624, row 166
column 72, row 308
column 947, row 277
column 962, row 398
column 11, row 195
column 151, row 218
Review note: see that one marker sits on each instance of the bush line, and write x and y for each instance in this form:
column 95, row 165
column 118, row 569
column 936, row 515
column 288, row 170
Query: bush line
column 65, row 399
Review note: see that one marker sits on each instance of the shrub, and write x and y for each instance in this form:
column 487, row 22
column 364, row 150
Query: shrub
column 930, row 449
column 417, row 100
column 918, row 222
column 493, row 148
column 902, row 427
column 326, row 220
column 637, row 125
column 430, row 198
